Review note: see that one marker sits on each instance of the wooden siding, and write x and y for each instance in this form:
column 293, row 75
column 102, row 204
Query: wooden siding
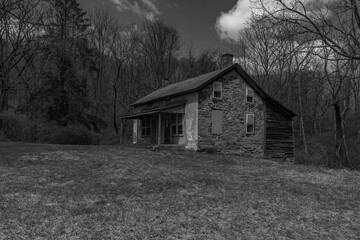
column 279, row 142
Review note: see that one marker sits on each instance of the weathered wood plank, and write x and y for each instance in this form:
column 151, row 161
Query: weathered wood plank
column 279, row 133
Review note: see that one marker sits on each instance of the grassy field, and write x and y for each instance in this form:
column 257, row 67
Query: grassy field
column 113, row 192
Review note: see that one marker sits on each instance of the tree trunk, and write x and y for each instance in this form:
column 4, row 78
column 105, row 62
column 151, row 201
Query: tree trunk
column 302, row 129
column 4, row 93
column 64, row 67
column 114, row 110
column 347, row 155
column 3, row 99
column 338, row 137
column 122, row 130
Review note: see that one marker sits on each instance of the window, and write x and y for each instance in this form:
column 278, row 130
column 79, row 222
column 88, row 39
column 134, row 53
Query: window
column 216, row 121
column 177, row 124
column 145, row 127
column 217, row 90
column 249, row 95
column 250, row 123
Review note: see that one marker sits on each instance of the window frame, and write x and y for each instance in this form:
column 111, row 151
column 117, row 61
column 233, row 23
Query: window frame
column 215, row 89
column 179, row 124
column 145, row 127
column 248, row 95
column 247, row 123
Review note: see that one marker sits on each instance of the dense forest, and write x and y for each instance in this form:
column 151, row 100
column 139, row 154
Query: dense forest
column 67, row 75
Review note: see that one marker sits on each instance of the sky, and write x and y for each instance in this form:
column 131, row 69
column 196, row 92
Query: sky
column 201, row 23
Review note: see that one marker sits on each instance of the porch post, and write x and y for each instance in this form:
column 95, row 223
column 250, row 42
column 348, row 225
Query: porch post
column 135, row 130
column 159, row 130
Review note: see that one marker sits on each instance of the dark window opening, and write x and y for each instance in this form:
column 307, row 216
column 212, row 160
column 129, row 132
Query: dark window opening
column 249, row 95
column 250, row 123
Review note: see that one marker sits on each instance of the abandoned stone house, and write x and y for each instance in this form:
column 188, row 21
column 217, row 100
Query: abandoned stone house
column 225, row 109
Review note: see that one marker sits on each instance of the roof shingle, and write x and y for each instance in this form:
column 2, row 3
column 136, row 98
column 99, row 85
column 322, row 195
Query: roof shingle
column 178, row 88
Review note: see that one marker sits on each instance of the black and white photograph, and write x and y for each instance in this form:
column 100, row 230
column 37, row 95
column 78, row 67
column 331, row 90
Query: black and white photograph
column 179, row 119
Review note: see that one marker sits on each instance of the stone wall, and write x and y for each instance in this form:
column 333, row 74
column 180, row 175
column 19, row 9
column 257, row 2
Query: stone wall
column 233, row 138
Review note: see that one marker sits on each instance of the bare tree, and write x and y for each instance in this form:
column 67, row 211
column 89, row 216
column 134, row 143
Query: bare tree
column 102, row 25
column 338, row 74
column 335, row 23
column 158, row 44
column 121, row 50
column 283, row 63
column 19, row 30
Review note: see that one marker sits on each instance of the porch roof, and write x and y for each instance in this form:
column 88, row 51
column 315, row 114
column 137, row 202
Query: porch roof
column 163, row 109
column 137, row 115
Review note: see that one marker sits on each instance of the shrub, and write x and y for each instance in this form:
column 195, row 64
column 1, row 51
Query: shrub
column 11, row 127
column 319, row 150
column 18, row 127
column 3, row 137
column 37, row 132
column 354, row 153
column 316, row 158
column 45, row 133
column 29, row 133
column 74, row 135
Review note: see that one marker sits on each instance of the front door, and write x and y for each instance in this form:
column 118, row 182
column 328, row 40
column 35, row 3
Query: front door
column 167, row 135
column 154, row 130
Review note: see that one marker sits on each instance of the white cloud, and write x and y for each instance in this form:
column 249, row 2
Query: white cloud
column 172, row 5
column 229, row 24
column 122, row 5
column 152, row 6
column 146, row 8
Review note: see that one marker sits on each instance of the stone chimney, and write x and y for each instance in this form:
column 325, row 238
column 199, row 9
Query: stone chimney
column 227, row 60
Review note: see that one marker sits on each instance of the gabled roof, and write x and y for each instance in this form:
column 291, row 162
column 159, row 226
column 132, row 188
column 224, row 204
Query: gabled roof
column 179, row 88
column 199, row 82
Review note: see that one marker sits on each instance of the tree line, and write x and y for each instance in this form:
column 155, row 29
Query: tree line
column 306, row 54
column 65, row 66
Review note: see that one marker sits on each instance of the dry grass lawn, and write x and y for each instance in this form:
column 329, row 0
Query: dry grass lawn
column 113, row 192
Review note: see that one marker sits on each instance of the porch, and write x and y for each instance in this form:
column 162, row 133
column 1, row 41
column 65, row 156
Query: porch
column 160, row 127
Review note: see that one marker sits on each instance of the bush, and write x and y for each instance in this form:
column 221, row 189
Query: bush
column 45, row 133
column 37, row 132
column 17, row 127
column 11, row 127
column 319, row 150
column 29, row 133
column 317, row 158
column 74, row 135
